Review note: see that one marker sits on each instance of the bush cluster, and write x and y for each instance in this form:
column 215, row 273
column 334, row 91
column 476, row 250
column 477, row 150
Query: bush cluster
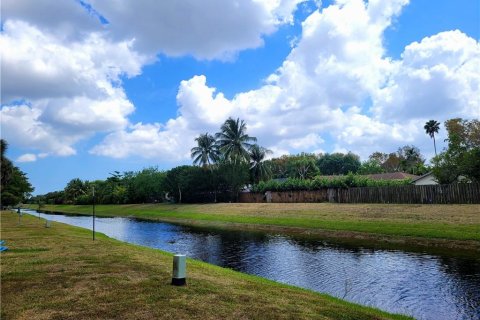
column 348, row 181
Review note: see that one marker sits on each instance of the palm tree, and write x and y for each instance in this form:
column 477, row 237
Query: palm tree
column 206, row 152
column 258, row 167
column 233, row 140
column 431, row 127
column 74, row 189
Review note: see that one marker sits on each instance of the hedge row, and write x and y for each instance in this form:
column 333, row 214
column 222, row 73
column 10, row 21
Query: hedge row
column 348, row 181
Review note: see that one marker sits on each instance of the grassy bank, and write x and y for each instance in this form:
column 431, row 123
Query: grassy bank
column 443, row 222
column 60, row 273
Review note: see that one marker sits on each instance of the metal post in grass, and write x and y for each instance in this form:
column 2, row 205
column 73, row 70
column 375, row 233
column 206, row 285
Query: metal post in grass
column 179, row 270
column 93, row 210
column 93, row 215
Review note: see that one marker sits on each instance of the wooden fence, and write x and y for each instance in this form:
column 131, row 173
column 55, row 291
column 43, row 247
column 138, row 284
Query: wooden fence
column 438, row 194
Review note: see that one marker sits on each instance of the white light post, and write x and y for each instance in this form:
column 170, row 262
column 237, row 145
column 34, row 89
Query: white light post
column 179, row 270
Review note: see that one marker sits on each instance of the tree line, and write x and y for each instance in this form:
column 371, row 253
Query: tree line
column 227, row 161
column 224, row 163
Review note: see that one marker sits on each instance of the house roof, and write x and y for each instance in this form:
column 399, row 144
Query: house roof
column 392, row 176
column 422, row 176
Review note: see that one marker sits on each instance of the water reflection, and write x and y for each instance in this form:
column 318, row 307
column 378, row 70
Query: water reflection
column 426, row 286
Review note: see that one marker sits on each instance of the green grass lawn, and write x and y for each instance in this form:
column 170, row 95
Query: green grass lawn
column 60, row 273
column 449, row 222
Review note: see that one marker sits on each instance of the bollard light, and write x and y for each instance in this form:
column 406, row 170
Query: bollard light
column 179, row 270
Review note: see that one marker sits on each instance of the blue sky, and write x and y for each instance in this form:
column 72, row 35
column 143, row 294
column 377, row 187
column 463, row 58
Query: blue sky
column 82, row 98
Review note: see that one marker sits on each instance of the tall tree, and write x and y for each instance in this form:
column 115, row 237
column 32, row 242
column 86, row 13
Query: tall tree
column 279, row 166
column 302, row 166
column 370, row 166
column 235, row 175
column 233, row 140
column 258, row 167
column 431, row 127
column 351, row 163
column 338, row 163
column 147, row 185
column 15, row 186
column 392, row 163
column 379, row 157
column 411, row 160
column 206, row 152
column 7, row 166
column 407, row 159
column 178, row 181
column 462, row 156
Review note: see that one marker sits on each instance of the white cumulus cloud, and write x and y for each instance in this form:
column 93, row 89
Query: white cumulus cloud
column 338, row 84
column 437, row 77
column 63, row 62
column 152, row 141
column 204, row 29
column 67, row 91
column 338, row 63
column 27, row 157
column 61, row 78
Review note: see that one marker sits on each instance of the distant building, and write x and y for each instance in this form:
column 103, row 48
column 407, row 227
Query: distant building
column 392, row 176
column 425, row 180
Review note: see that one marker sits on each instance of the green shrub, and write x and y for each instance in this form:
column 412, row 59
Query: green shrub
column 348, row 181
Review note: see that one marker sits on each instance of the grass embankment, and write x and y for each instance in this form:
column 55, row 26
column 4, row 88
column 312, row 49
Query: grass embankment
column 443, row 222
column 60, row 273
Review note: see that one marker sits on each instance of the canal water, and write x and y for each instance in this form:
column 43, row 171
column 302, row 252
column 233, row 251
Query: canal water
column 420, row 284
